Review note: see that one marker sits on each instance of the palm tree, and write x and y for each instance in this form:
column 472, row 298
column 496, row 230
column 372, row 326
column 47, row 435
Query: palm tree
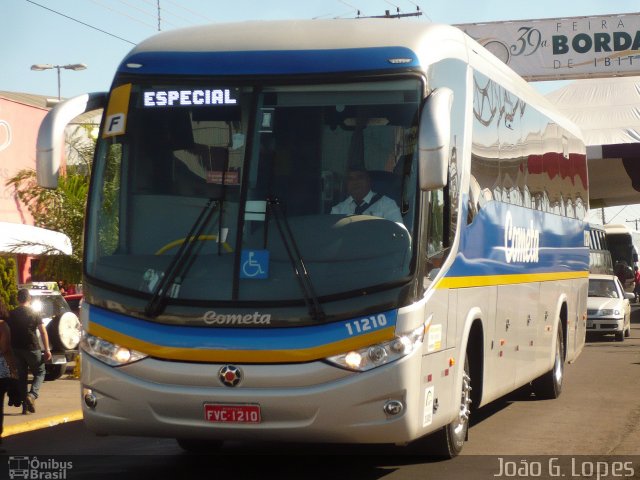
column 61, row 209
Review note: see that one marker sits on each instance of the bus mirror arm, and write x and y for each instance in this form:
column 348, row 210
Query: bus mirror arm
column 434, row 139
column 50, row 143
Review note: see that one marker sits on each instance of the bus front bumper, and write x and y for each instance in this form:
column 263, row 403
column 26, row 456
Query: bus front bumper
column 310, row 402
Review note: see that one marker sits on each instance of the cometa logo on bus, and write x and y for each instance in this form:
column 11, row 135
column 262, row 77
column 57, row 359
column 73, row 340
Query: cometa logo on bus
column 520, row 244
column 184, row 98
column 255, row 318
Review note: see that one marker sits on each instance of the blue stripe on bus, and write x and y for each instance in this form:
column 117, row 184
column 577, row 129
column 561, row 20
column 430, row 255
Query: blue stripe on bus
column 482, row 243
column 283, row 62
column 214, row 337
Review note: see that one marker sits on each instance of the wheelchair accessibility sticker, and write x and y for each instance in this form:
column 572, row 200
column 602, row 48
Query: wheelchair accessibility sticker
column 254, row 264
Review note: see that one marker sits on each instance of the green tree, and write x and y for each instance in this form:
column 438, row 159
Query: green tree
column 8, row 287
column 61, row 209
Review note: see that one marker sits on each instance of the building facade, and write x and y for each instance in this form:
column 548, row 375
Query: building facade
column 20, row 118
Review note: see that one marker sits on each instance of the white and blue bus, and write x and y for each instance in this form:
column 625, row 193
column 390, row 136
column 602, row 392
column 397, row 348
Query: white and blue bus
column 599, row 254
column 232, row 292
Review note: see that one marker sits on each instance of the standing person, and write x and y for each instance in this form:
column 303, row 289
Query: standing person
column 8, row 373
column 620, row 271
column 636, row 281
column 24, row 322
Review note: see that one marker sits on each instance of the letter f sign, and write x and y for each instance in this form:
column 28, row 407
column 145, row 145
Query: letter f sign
column 114, row 125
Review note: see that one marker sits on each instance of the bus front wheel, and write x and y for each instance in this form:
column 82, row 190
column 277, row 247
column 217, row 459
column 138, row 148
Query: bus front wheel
column 449, row 440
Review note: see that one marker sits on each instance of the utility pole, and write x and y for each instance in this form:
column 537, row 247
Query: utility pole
column 388, row 14
column 158, row 3
column 634, row 221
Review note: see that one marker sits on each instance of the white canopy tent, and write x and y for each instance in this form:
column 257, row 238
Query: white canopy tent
column 607, row 110
column 17, row 238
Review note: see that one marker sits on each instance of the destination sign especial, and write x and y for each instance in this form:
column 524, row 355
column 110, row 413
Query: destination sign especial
column 186, row 98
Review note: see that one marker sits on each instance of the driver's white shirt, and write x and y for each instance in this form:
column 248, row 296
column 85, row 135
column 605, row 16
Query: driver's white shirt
column 384, row 207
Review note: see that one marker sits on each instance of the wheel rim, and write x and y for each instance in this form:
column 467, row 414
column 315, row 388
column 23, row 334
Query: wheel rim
column 558, row 367
column 459, row 429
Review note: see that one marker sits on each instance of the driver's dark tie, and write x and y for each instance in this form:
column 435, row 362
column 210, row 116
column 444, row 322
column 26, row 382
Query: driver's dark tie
column 361, row 208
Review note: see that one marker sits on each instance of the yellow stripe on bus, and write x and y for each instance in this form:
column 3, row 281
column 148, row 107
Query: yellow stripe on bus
column 492, row 280
column 196, row 354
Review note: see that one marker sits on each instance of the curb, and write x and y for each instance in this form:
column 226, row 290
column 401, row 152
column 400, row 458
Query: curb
column 42, row 423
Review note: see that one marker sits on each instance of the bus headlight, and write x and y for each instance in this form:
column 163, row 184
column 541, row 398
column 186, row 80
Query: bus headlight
column 380, row 354
column 108, row 352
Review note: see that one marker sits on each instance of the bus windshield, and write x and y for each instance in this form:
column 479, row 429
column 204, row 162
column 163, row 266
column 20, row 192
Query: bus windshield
column 239, row 193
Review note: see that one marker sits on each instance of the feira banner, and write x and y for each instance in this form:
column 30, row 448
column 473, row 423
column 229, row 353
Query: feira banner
column 564, row 48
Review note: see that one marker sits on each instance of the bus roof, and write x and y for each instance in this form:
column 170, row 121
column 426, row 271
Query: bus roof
column 299, row 35
column 308, row 47
column 297, row 47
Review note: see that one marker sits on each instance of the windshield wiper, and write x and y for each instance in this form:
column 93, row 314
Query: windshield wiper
column 171, row 279
column 302, row 274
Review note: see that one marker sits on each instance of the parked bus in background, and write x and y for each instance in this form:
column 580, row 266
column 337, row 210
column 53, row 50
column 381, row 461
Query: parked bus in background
column 623, row 244
column 599, row 254
column 224, row 300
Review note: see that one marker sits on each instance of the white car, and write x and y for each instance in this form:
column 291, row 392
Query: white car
column 608, row 307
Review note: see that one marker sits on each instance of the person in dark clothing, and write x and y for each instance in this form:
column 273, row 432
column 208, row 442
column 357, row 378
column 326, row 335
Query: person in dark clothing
column 24, row 322
column 8, row 372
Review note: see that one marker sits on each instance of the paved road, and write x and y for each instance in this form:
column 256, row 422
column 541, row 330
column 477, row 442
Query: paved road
column 598, row 412
column 597, row 418
column 59, row 402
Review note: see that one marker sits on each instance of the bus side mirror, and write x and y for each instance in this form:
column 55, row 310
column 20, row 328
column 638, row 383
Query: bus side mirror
column 50, row 143
column 434, row 139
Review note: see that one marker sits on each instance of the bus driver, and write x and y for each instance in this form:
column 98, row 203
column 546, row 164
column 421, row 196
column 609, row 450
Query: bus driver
column 363, row 201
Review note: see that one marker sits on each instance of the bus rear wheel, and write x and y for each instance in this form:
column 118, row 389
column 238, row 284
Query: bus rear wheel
column 549, row 385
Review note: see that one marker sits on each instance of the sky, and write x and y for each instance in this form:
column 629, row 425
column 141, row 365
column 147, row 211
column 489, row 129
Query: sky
column 99, row 33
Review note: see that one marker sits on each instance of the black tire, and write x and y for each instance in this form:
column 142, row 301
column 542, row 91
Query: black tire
column 620, row 336
column 54, row 335
column 549, row 385
column 627, row 332
column 200, row 447
column 54, row 372
column 449, row 440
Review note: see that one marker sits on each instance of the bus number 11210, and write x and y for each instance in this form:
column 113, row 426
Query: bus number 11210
column 366, row 324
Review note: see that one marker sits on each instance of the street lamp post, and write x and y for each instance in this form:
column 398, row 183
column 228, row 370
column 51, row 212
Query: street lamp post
column 47, row 66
